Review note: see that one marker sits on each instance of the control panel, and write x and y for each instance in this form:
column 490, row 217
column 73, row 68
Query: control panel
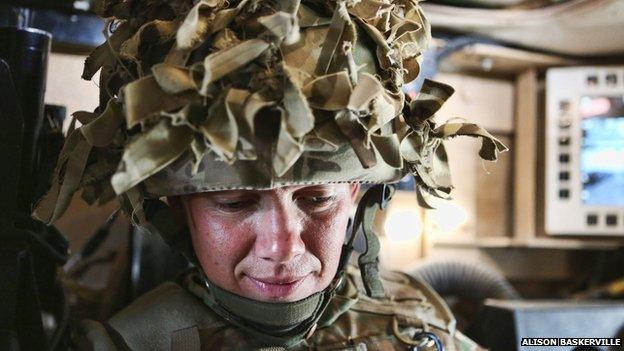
column 584, row 146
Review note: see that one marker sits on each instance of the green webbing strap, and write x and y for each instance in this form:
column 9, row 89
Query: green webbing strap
column 369, row 260
column 273, row 317
column 375, row 198
column 284, row 324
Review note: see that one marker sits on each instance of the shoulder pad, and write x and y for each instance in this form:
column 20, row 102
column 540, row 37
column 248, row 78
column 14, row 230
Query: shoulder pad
column 149, row 322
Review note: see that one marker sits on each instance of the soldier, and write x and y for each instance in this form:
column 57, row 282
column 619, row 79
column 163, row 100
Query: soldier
column 240, row 131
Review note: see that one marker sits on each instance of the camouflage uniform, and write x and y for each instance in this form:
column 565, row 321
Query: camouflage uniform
column 208, row 95
column 172, row 317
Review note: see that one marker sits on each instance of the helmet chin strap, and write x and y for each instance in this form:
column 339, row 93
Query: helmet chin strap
column 278, row 323
column 375, row 198
column 270, row 323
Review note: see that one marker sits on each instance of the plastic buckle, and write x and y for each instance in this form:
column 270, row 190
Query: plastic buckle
column 387, row 190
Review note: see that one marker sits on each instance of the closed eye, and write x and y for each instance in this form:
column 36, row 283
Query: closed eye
column 320, row 199
column 316, row 201
column 235, row 206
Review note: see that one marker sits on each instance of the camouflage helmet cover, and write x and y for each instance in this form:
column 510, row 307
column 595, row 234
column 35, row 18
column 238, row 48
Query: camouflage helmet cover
column 249, row 94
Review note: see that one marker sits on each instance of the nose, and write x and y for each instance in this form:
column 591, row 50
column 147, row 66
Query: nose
column 279, row 233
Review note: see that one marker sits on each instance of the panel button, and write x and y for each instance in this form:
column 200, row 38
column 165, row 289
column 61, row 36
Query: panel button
column 592, row 219
column 564, row 158
column 564, row 106
column 612, row 219
column 564, row 175
column 565, row 122
column 611, row 79
column 564, row 141
column 564, row 193
column 592, row 81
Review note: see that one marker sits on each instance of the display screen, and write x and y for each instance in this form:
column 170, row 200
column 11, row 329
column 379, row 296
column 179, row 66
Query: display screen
column 602, row 150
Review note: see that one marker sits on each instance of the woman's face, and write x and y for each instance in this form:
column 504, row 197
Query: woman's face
column 282, row 244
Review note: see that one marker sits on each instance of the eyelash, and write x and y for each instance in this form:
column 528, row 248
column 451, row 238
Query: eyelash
column 236, row 206
column 319, row 200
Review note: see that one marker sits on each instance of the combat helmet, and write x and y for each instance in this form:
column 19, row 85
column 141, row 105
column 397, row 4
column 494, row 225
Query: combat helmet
column 211, row 95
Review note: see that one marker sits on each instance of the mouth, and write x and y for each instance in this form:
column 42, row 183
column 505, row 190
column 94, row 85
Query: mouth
column 277, row 287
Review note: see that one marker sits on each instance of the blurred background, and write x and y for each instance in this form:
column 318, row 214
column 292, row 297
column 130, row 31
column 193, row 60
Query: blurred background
column 530, row 246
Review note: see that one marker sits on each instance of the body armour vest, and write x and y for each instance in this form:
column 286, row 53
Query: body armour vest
column 171, row 317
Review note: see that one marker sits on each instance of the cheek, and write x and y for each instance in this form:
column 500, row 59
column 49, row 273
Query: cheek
column 220, row 243
column 326, row 235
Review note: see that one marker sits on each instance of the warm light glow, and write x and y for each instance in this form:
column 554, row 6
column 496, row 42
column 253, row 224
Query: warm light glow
column 403, row 225
column 447, row 217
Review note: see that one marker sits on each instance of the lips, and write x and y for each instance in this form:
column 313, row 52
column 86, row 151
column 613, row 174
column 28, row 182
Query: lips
column 277, row 287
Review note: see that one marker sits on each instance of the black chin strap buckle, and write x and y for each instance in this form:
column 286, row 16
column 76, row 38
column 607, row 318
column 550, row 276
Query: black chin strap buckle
column 386, row 193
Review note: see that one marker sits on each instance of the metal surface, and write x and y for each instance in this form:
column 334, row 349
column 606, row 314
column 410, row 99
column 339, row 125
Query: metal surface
column 502, row 324
column 11, row 140
column 67, row 5
column 26, row 51
column 30, row 253
column 73, row 32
